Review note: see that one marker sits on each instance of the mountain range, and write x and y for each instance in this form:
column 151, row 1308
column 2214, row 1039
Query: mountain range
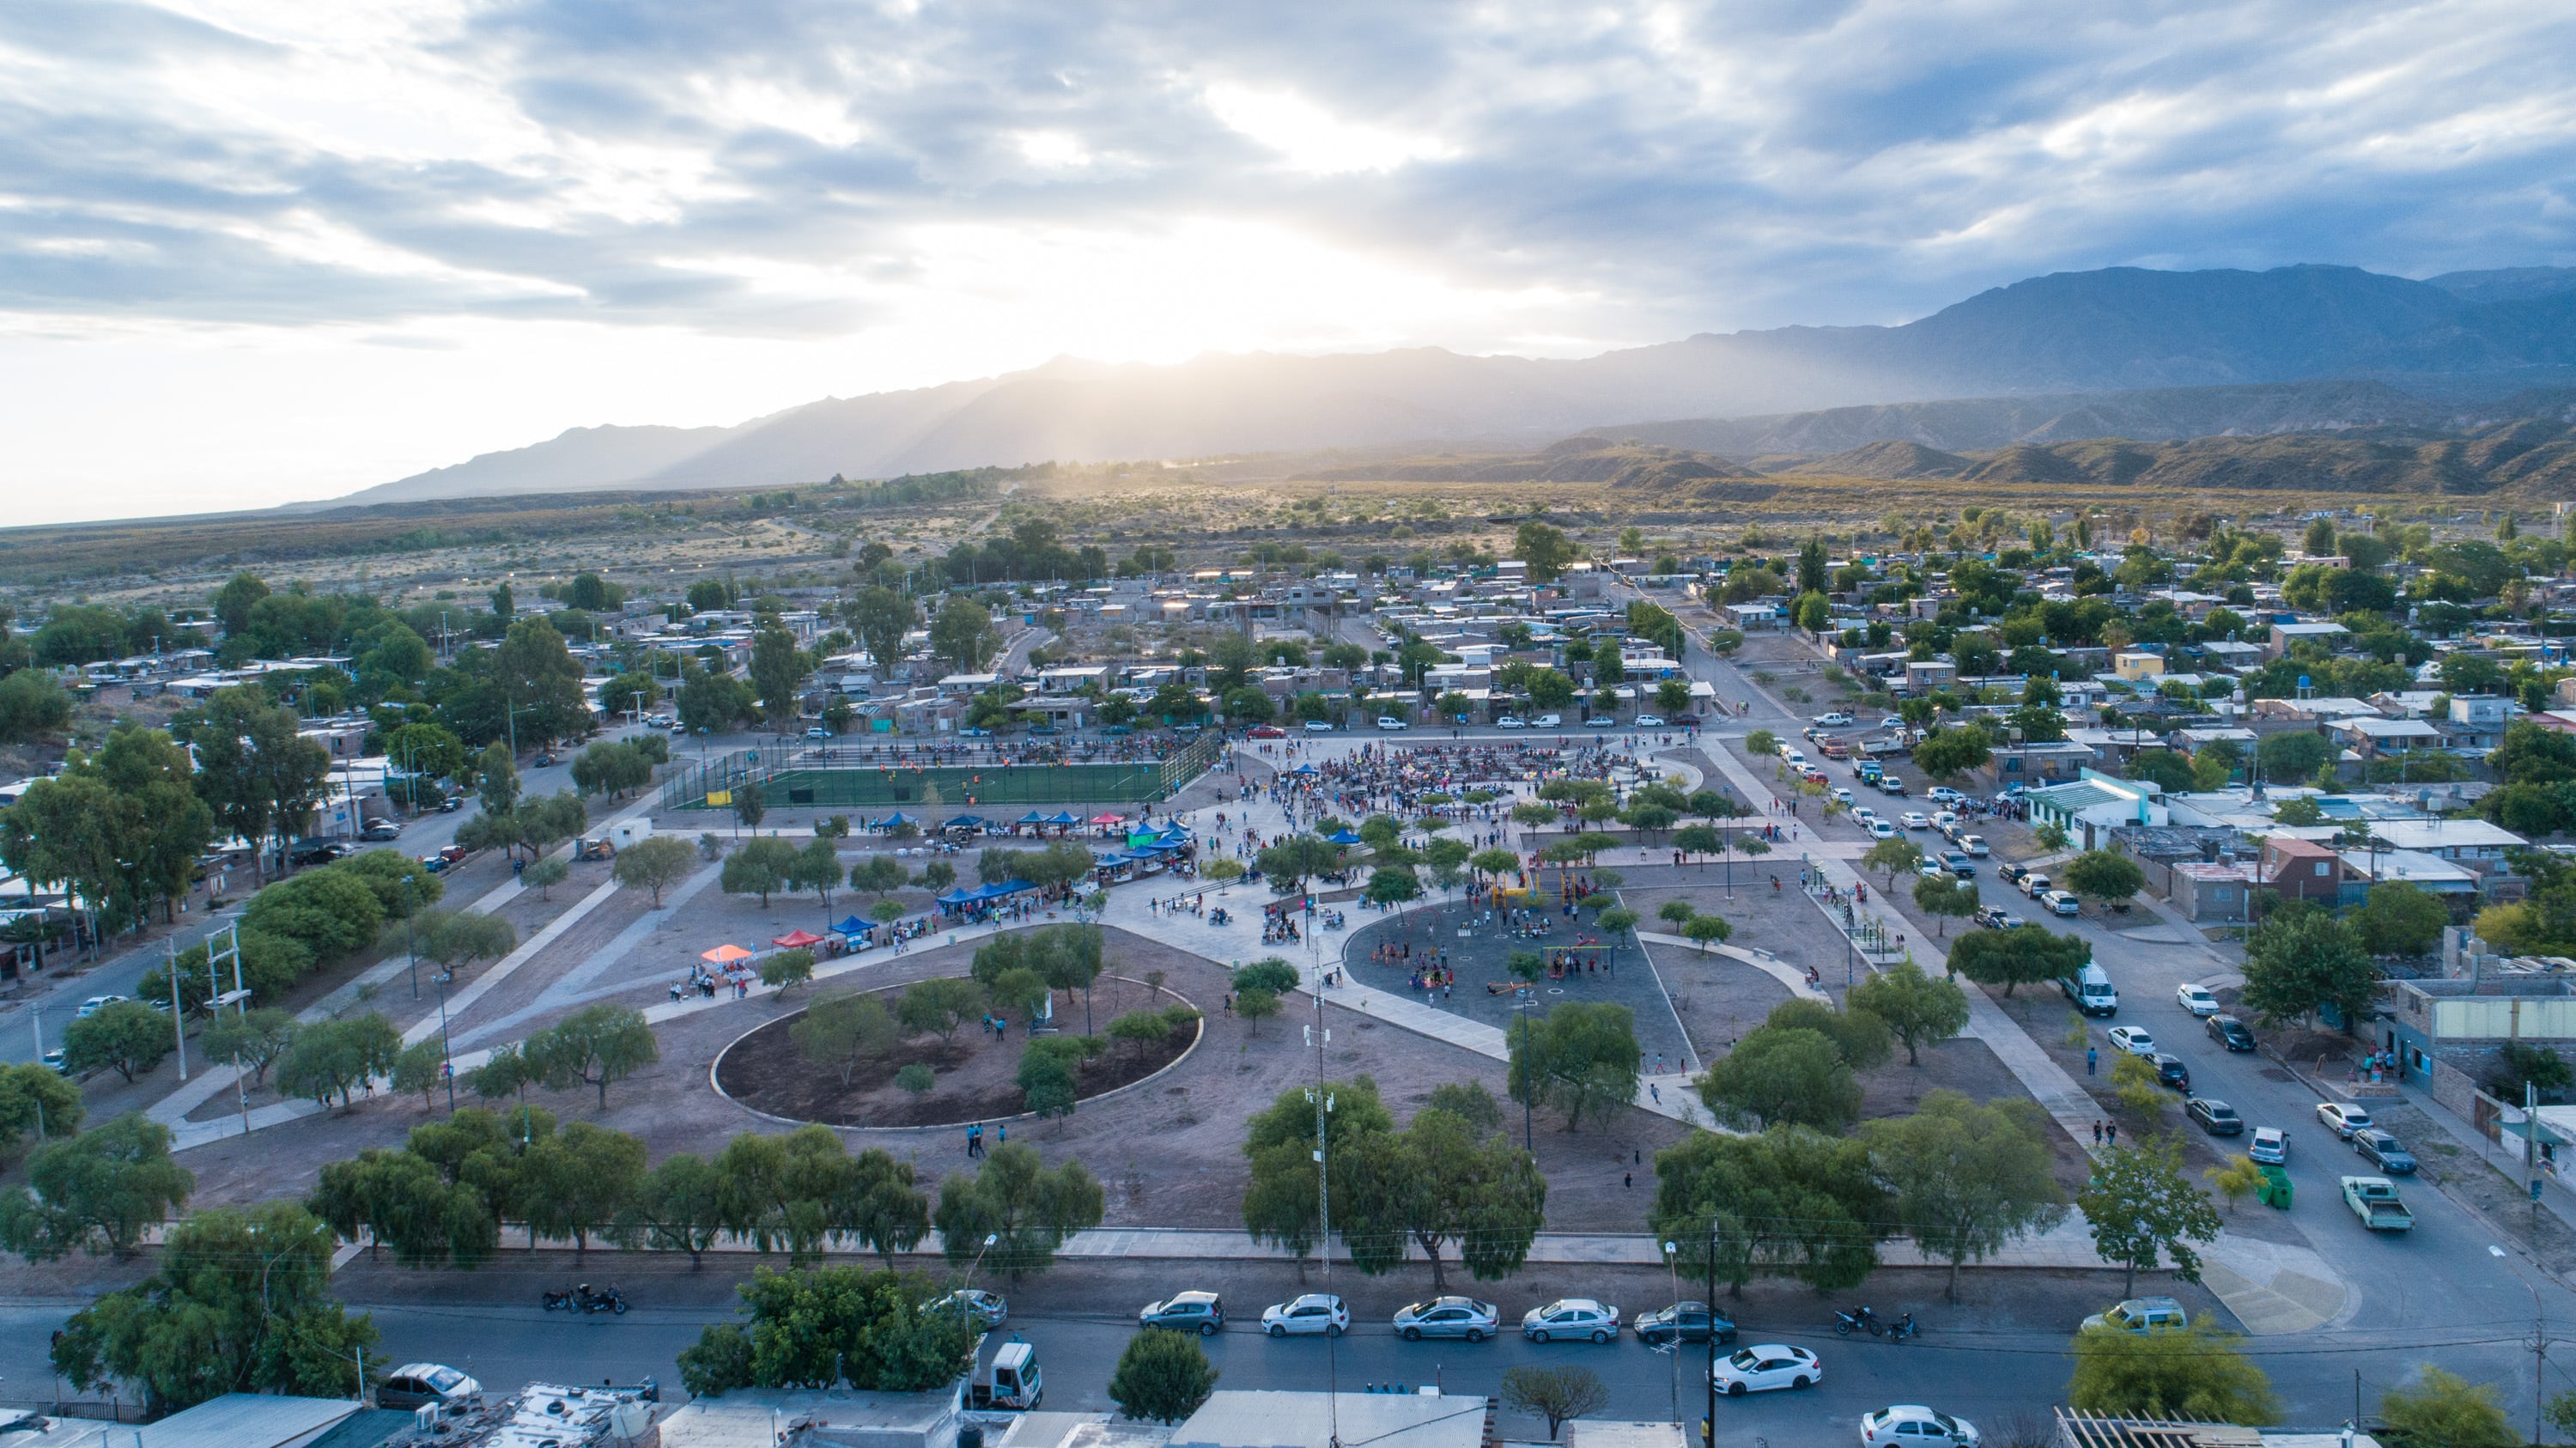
column 2122, row 352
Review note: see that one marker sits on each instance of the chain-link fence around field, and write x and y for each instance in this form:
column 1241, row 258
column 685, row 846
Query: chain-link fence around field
column 848, row 779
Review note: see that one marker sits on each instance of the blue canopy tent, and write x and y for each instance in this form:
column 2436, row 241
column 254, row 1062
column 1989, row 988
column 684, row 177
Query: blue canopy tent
column 1063, row 817
column 892, row 820
column 964, row 822
column 1032, row 818
column 854, row 926
column 1305, row 769
column 958, row 897
column 1341, row 837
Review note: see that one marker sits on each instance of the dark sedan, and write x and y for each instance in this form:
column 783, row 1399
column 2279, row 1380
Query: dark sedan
column 2383, row 1151
column 1684, row 1322
column 2229, row 1032
column 2170, row 1071
column 2215, row 1117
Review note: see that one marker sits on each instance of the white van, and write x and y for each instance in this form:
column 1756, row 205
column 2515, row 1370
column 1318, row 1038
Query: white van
column 2090, row 990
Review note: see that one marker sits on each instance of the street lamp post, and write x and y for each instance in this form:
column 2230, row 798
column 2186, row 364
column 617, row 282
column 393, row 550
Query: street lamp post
column 2539, row 1341
column 445, row 1048
column 1672, row 1270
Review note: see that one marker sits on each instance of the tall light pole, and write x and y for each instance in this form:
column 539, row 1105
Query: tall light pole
column 1672, row 1270
column 447, row 1067
column 2539, row 1337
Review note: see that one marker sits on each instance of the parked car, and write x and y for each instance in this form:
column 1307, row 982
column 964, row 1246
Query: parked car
column 1836, row 720
column 1842, row 796
column 381, row 830
column 1911, row 1426
column 1994, row 917
column 2270, row 1146
column 1315, row 1312
column 2136, row 1040
column 1199, row 1312
column 2383, row 1151
column 2343, row 1120
column 450, row 804
column 1266, row 731
column 94, row 1005
column 2229, row 1032
column 2170, row 1071
column 2142, row 1314
column 1571, row 1317
column 1389, row 721
column 972, row 733
column 2376, row 1202
column 1600, row 721
column 1318, row 726
column 1548, row 721
column 1913, row 820
column 1511, row 721
column 818, row 732
column 1976, row 846
column 1683, row 1322
column 418, row 1385
column 1761, row 1369
column 1448, row 1317
column 1892, row 786
column 2060, row 902
column 2012, row 875
column 56, row 1062
column 1647, row 721
column 1959, row 864
column 987, row 1310
column 1944, row 794
column 2196, row 999
column 2215, row 1117
column 1880, row 829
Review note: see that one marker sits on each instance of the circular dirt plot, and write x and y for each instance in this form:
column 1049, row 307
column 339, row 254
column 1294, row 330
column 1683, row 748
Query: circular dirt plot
column 975, row 1075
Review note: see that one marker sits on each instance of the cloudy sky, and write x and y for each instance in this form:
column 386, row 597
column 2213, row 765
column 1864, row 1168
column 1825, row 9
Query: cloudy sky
column 253, row 250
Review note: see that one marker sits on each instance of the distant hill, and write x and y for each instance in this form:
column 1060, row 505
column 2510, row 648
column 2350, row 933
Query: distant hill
column 2119, row 352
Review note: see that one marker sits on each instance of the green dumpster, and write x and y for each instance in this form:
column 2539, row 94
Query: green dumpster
column 2275, row 1190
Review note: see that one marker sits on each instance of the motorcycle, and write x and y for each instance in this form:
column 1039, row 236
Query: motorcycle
column 1903, row 1328
column 1845, row 1323
column 581, row 1299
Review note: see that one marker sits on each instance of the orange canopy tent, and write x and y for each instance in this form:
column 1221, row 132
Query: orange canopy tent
column 796, row 940
column 725, row 955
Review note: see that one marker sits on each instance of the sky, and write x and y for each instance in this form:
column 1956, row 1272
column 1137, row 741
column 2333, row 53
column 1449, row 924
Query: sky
column 254, row 251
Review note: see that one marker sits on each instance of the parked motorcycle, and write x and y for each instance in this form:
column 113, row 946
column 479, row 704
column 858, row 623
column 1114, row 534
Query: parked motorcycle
column 1903, row 1328
column 1845, row 1323
column 581, row 1299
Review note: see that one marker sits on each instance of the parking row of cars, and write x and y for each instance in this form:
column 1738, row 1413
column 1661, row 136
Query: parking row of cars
column 1568, row 1319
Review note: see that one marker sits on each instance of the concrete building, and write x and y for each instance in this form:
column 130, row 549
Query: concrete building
column 2450, row 1034
column 1308, row 1420
column 2092, row 806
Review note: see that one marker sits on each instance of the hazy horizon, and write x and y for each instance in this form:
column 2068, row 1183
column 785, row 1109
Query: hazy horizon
column 255, row 252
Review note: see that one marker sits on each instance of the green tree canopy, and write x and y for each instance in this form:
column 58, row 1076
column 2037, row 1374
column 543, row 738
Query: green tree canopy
column 1967, row 1178
column 2021, row 955
column 1789, row 1202
column 1030, row 1207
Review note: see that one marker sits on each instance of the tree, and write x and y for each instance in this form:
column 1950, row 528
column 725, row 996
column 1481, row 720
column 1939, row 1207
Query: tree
column 461, row 937
column 421, row 1067
column 1436, row 1181
column 1256, row 1005
column 2397, row 918
column 1280, row 1205
column 32, row 704
column 777, row 667
column 1945, row 897
column 239, row 1303
column 577, row 1181
column 1790, row 1202
column 2140, row 1208
column 2236, row 1180
column 1676, row 913
column 1945, row 752
column 1165, row 1376
column 2020, row 955
column 1049, row 1074
column 963, row 635
column 1861, row 1040
column 404, row 1201
column 1546, row 550
column 1558, row 1394
column 1891, row 855
column 806, row 1329
column 255, row 772
column 2447, row 1410
column 789, row 968
column 761, row 867
column 2299, row 959
column 126, row 1036
column 1915, row 1007
column 1776, row 1076
column 2196, row 1372
column 252, row 1040
column 96, row 1192
column 916, row 1079
column 36, row 1100
column 881, row 617
column 939, row 1006
column 2103, row 877
column 1030, row 1207
column 1967, row 1178
column 596, row 1045
column 1580, row 1056
column 2292, row 758
column 335, row 1058
column 654, row 864
column 545, row 874
column 1707, row 930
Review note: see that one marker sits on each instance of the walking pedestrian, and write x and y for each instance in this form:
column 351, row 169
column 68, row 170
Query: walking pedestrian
column 2097, row 1133
column 2111, row 1132
column 2090, row 1057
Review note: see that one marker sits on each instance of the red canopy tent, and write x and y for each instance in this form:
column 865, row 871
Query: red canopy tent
column 797, row 940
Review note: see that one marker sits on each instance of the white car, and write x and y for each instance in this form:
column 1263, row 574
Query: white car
column 1548, row 721
column 1794, row 758
column 95, row 1004
column 1832, row 721
column 1769, row 1365
column 1571, row 1317
column 1389, row 721
column 1648, row 721
column 1943, row 794
column 1843, row 797
column 1863, row 813
column 1913, row 820
column 2133, row 1039
column 1511, row 721
column 2061, row 903
column 1447, row 1317
column 1315, row 1312
column 1880, row 829
column 1975, row 845
column 1318, row 726
column 2196, row 999
column 1945, row 821
column 2343, row 1120
column 1892, row 721
column 2269, row 1144
column 1910, row 1426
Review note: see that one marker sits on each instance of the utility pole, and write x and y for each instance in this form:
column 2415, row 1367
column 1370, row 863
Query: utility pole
column 2539, row 1324
column 1323, row 1099
column 178, row 1017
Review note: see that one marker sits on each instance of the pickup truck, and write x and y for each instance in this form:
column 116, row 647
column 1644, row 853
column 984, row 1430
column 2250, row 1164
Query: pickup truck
column 2375, row 1201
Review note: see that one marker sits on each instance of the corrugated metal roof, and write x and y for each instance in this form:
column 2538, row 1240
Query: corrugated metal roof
column 246, row 1420
column 1305, row 1420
